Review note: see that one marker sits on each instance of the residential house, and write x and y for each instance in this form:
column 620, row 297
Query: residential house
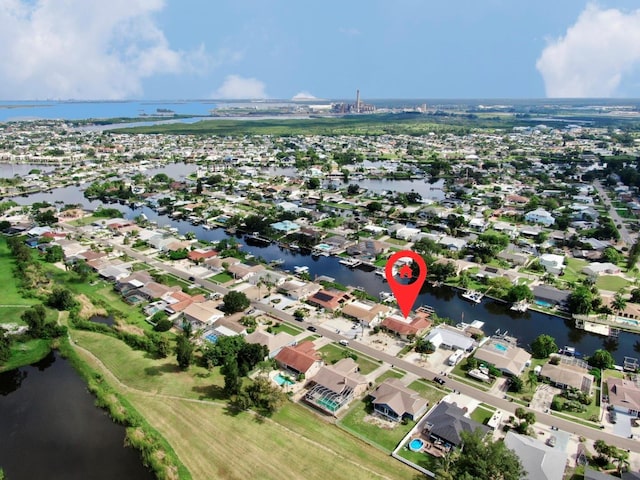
column 394, row 401
column 366, row 313
column 298, row 289
column 624, row 395
column 202, row 314
column 152, row 290
column 569, row 373
column 552, row 263
column 200, row 255
column 451, row 243
column 540, row 215
column 274, row 343
column 241, row 271
column 177, row 301
column 300, row 359
column 267, row 277
column 513, row 257
column 334, row 386
column 368, row 249
column 330, row 300
column 403, row 327
column 447, row 422
column 217, row 264
column 504, row 355
column 540, row 462
column 450, row 338
column 601, row 268
column 550, row 296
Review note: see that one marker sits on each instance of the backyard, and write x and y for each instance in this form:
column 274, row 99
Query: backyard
column 332, row 353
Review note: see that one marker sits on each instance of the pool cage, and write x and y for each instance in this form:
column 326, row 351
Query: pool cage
column 328, row 400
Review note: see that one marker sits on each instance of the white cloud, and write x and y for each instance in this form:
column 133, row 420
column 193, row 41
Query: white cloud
column 84, row 49
column 237, row 87
column 304, row 95
column 594, row 54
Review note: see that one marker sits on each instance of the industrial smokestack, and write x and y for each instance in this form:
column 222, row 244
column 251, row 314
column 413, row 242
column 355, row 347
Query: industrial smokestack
column 358, row 101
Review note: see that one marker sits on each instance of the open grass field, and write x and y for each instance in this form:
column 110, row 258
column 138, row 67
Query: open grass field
column 432, row 394
column 12, row 303
column 139, row 370
column 214, row 442
column 611, row 283
column 391, row 373
column 283, row 327
column 386, row 438
column 222, row 277
column 482, row 415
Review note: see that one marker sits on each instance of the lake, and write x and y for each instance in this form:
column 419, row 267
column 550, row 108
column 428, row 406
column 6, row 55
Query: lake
column 50, row 428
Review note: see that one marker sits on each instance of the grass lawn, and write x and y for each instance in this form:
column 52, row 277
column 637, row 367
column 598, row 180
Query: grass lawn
column 381, row 263
column 482, row 415
column 432, row 394
column 310, row 338
column 222, row 277
column 573, row 272
column 332, row 353
column 396, row 241
column 391, row 373
column 386, row 438
column 423, row 460
column 139, row 370
column 136, row 267
column 26, row 353
column 84, row 221
column 284, row 327
column 592, row 410
column 611, row 283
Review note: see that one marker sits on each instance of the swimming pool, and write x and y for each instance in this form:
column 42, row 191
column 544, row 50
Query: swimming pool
column 323, row 246
column 542, row 303
column 499, row 346
column 328, row 404
column 416, row 445
column 280, row 380
column 212, row 338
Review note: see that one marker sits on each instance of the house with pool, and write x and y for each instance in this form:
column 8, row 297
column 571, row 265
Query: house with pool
column 334, row 386
column 445, row 424
column 300, row 359
column 393, row 401
column 274, row 343
column 571, row 372
column 624, row 396
column 504, row 354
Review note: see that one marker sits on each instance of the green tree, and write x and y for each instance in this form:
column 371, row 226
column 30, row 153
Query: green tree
column 235, row 302
column 543, row 346
column 313, row 183
column 516, row 384
column 82, row 269
column 373, row 207
column 46, row 217
column 532, row 380
column 519, row 292
column 611, row 255
column 199, row 187
column 601, row 359
column 184, row 352
column 480, row 459
column 580, row 300
column 265, row 397
column 5, row 346
column 619, row 303
column 35, row 318
column 54, row 254
column 61, row 299
column 232, row 380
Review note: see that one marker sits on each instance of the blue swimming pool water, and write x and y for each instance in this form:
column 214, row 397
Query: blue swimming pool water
column 500, row 347
column 416, row 445
column 212, row 338
column 324, row 246
column 280, row 380
column 542, row 303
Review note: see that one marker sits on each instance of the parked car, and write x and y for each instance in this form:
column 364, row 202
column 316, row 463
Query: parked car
column 613, row 418
column 438, row 380
column 344, row 343
column 311, row 328
column 551, row 441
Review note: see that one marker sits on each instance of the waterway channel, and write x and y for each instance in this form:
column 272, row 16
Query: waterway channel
column 446, row 301
column 50, row 428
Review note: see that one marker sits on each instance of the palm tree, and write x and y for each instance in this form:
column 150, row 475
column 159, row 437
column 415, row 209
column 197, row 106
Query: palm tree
column 622, row 459
column 619, row 303
column 532, row 380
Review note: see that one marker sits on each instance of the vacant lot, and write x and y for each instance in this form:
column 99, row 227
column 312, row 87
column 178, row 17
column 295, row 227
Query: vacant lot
column 12, row 303
column 332, row 353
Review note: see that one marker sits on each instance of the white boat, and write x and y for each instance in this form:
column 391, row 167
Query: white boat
column 521, row 306
column 386, row 297
column 301, row 269
column 350, row 262
column 473, row 296
column 380, row 272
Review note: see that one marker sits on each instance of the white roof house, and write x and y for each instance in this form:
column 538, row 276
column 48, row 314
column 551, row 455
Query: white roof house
column 552, row 263
column 540, row 215
column 538, row 460
column 600, row 268
column 449, row 337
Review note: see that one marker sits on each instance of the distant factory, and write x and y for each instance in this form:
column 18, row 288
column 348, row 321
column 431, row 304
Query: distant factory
column 357, row 107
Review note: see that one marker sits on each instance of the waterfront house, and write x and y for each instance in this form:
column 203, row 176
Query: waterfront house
column 394, row 401
column 403, row 327
column 624, row 396
column 450, row 338
column 241, row 271
column 365, row 313
column 368, row 249
column 569, row 373
column 548, row 295
column 447, row 421
column 268, row 277
column 504, row 355
column 334, row 386
column 539, row 461
column 298, row 289
column 300, row 359
column 330, row 300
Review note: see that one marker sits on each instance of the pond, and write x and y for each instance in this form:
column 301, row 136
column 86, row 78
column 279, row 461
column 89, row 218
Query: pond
column 50, row 428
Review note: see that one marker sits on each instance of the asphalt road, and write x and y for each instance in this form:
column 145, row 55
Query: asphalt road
column 499, row 402
column 625, row 236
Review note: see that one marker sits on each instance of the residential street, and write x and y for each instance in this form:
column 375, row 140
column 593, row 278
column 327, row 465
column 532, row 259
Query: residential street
column 625, row 236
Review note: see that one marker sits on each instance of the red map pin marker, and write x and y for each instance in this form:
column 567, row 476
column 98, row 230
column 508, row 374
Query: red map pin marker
column 405, row 294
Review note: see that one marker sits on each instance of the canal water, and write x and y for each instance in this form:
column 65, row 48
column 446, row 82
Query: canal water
column 446, row 301
column 50, row 428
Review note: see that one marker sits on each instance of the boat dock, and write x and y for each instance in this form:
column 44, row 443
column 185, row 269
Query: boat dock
column 473, row 295
column 606, row 325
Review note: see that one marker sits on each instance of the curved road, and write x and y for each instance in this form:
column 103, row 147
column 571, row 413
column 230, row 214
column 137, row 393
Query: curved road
column 505, row 405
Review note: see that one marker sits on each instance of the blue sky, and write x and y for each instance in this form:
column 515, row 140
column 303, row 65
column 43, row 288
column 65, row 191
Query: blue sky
column 327, row 49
